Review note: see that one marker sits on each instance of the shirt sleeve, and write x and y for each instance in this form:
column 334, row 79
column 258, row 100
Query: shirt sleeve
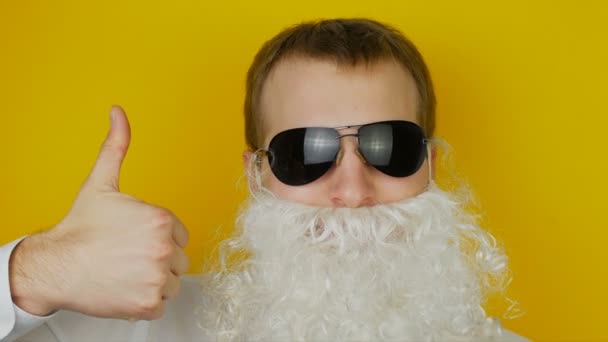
column 510, row 336
column 14, row 321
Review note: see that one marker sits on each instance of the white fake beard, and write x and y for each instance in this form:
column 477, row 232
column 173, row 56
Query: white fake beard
column 416, row 270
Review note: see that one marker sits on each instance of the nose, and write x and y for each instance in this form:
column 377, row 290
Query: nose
column 351, row 180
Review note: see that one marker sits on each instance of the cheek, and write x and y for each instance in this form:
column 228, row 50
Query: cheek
column 314, row 194
column 385, row 189
column 307, row 194
column 390, row 189
column 408, row 187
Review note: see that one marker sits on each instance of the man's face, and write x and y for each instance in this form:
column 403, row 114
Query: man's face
column 328, row 271
column 314, row 93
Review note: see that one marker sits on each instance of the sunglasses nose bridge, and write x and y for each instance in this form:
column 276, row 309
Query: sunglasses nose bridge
column 343, row 146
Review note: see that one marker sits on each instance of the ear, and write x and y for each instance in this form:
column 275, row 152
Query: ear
column 247, row 155
column 433, row 159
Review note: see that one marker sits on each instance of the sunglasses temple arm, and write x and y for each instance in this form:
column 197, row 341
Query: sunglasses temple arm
column 429, row 157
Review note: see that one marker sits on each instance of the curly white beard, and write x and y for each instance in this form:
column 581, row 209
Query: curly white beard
column 417, row 270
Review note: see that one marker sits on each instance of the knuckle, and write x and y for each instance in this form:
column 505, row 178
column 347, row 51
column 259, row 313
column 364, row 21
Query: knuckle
column 173, row 292
column 187, row 235
column 162, row 218
column 184, row 264
column 158, row 313
column 159, row 280
column 114, row 147
column 155, row 315
column 148, row 306
column 163, row 251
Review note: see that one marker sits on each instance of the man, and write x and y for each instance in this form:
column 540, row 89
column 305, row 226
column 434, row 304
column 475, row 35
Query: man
column 345, row 237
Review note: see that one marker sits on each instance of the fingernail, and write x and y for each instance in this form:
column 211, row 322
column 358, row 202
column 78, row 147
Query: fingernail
column 112, row 116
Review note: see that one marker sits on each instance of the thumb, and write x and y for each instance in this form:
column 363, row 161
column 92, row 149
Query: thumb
column 106, row 172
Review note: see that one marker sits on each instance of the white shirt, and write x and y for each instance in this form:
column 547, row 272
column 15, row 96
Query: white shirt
column 177, row 324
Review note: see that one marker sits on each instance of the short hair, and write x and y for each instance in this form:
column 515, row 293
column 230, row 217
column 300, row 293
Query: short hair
column 347, row 42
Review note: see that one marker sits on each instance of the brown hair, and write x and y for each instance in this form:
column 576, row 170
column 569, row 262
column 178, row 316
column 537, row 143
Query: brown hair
column 347, row 41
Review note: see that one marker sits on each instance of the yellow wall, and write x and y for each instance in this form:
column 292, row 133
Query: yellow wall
column 521, row 87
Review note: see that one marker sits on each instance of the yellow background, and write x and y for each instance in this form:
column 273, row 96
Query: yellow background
column 522, row 99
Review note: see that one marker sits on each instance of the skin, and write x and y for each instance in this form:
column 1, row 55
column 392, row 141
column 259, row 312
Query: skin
column 111, row 256
column 302, row 92
column 54, row 270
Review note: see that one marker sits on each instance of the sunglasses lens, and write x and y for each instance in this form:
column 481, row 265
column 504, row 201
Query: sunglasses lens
column 395, row 148
column 302, row 155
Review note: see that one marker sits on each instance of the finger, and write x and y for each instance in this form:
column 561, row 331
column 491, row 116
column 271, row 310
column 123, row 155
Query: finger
column 106, row 171
column 180, row 262
column 180, row 233
column 171, row 288
column 157, row 313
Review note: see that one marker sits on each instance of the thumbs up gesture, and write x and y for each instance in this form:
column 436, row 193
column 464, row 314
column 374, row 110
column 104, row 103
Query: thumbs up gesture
column 112, row 255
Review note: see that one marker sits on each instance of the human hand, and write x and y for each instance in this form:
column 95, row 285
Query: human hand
column 112, row 256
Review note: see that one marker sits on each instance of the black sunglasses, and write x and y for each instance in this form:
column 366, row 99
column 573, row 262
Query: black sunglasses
column 300, row 156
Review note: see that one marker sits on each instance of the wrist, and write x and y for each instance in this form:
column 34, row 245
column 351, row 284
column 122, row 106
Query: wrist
column 33, row 277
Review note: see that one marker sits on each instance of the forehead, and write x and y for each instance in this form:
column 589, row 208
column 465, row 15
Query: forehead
column 302, row 92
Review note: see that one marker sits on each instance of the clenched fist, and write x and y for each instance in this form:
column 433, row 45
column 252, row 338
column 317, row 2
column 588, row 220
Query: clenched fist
column 112, row 255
